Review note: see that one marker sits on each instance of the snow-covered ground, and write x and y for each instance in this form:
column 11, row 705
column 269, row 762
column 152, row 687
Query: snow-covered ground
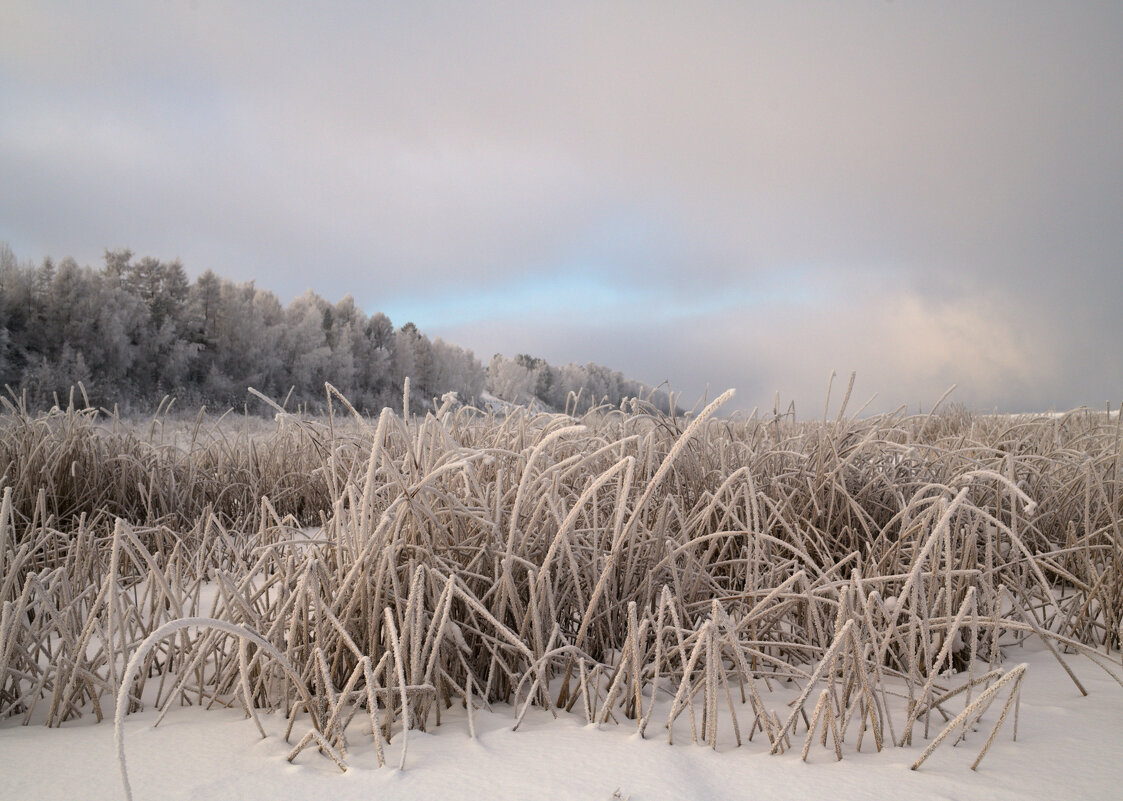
column 1068, row 747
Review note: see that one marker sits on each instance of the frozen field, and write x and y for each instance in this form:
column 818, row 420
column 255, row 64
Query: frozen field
column 768, row 595
column 1068, row 747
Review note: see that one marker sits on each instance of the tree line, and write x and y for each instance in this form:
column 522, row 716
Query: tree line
column 138, row 329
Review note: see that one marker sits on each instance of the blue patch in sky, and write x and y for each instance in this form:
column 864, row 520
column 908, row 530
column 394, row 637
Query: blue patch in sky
column 617, row 270
column 582, row 295
column 533, row 295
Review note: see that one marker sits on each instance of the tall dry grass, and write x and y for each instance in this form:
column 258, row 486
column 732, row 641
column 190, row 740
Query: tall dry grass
column 856, row 581
column 71, row 462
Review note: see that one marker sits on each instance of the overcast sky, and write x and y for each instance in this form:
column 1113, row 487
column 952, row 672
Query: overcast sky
column 740, row 194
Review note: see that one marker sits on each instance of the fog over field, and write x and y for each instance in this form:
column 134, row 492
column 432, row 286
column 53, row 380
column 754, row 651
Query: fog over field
column 721, row 194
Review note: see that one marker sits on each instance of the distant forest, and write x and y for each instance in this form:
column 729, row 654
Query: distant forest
column 138, row 330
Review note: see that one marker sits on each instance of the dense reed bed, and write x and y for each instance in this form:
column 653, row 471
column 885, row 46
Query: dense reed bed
column 856, row 582
column 171, row 470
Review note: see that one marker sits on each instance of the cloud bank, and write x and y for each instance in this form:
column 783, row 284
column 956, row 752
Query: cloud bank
column 719, row 194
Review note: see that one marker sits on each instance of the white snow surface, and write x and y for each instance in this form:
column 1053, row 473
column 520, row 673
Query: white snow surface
column 1068, row 746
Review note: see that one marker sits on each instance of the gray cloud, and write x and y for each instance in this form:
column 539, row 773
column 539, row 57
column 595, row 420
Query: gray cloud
column 944, row 182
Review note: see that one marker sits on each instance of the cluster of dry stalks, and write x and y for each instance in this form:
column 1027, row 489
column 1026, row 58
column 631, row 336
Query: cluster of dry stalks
column 848, row 580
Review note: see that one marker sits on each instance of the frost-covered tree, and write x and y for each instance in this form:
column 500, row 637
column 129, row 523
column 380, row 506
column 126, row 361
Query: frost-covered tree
column 203, row 300
column 49, row 381
column 510, row 380
column 306, row 353
column 374, row 367
column 457, row 370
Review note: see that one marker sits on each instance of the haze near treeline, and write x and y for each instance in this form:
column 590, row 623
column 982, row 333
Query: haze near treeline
column 713, row 194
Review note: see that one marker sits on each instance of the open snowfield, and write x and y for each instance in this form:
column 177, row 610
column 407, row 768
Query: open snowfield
column 1068, row 746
